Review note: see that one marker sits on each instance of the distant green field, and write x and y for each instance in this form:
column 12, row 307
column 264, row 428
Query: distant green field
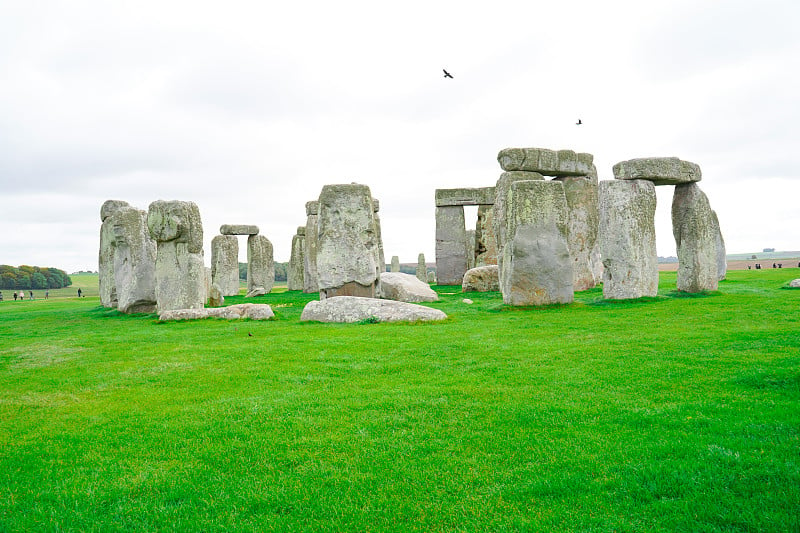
column 674, row 413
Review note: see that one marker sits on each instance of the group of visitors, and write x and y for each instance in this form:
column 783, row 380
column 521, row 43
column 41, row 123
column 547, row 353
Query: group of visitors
column 21, row 295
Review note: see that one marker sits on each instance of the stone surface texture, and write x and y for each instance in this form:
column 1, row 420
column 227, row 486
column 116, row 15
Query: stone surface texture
column 451, row 197
column 238, row 229
column 499, row 210
column 405, row 288
column 695, row 231
column 355, row 309
column 422, row 269
column 225, row 264
column 348, row 251
column 557, row 163
column 469, row 244
column 134, row 261
column 260, row 263
column 481, row 279
column 310, row 281
column 105, row 263
column 628, row 239
column 232, row 312
column 659, row 170
column 485, row 241
column 395, row 266
column 451, row 245
column 295, row 272
column 722, row 261
column 215, row 297
column 795, row 283
column 583, row 210
column 180, row 274
column 536, row 267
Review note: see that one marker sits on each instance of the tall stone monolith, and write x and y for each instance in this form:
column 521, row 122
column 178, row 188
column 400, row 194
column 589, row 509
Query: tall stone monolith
column 422, row 268
column 105, row 267
column 499, row 210
column 180, row 274
column 536, row 267
column 294, row 274
column 471, row 247
column 380, row 255
column 348, row 247
column 395, row 267
column 260, row 264
column 695, row 231
column 627, row 237
column 582, row 220
column 722, row 261
column 310, row 280
column 134, row 261
column 485, row 240
column 225, row 264
column 451, row 245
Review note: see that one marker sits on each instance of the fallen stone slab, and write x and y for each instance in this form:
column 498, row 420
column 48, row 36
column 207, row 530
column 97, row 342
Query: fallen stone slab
column 238, row 229
column 481, row 279
column 659, row 170
column 232, row 312
column 404, row 287
column 256, row 291
column 557, row 163
column 795, row 283
column 348, row 309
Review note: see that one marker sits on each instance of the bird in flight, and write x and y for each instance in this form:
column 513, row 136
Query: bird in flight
column 447, row 74
column 579, row 122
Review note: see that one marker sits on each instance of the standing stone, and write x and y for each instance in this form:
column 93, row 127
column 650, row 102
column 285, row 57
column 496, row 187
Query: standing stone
column 536, row 267
column 134, row 261
column 485, row 240
column 215, row 297
column 348, row 248
column 628, row 239
column 260, row 264
column 395, row 264
column 722, row 261
column 583, row 219
column 499, row 209
column 381, row 257
column 431, row 278
column 180, row 274
column 696, row 239
column 107, row 286
column 451, row 242
column 470, row 246
column 310, row 281
column 294, row 276
column 225, row 264
column 422, row 268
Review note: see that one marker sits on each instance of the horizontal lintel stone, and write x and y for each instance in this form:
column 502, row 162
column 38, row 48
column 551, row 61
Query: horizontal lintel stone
column 238, row 229
column 453, row 197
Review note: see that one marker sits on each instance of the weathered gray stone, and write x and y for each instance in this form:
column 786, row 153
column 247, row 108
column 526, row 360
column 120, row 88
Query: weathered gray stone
column 405, row 288
column 556, row 163
column 659, row 170
column 451, row 245
column 310, row 280
column 215, row 297
column 380, row 257
column 431, row 277
column 225, row 264
column 695, row 238
column 395, row 264
column 355, row 309
column 260, row 263
column 470, row 246
column 348, row 247
column 256, row 291
column 795, row 283
column 499, row 211
column 180, row 274
column 232, row 312
column 238, row 229
column 134, row 261
column 485, row 240
column 422, row 269
column 583, row 212
column 628, row 239
column 536, row 267
column 722, row 262
column 207, row 283
column 105, row 271
column 451, row 197
column 294, row 274
column 481, row 279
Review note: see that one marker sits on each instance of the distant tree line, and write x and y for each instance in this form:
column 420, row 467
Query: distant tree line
column 280, row 271
column 32, row 277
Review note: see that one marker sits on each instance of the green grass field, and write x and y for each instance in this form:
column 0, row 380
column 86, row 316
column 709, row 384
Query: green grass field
column 675, row 413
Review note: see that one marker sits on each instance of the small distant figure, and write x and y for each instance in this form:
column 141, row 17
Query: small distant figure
column 1, row 296
column 780, row 265
column 46, row 294
column 580, row 122
column 749, row 267
column 21, row 295
column 79, row 292
column 447, row 74
column 31, row 293
column 774, row 265
column 15, row 296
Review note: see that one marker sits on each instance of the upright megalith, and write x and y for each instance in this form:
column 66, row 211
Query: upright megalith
column 310, row 280
column 583, row 218
column 422, row 269
column 180, row 274
column 381, row 258
column 471, row 247
column 395, row 267
column 134, row 261
column 628, row 239
column 225, row 264
column 485, row 241
column 695, row 231
column 348, row 251
column 260, row 265
column 499, row 211
column 105, row 267
column 722, row 262
column 294, row 275
column 451, row 245
column 536, row 267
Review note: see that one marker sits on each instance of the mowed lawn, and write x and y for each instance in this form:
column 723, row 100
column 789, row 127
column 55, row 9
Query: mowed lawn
column 673, row 413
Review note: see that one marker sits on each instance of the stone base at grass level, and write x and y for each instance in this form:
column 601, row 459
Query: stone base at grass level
column 405, row 288
column 481, row 279
column 351, row 288
column 233, row 312
column 349, row 309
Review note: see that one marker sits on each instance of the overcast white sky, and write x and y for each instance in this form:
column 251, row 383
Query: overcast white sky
column 249, row 108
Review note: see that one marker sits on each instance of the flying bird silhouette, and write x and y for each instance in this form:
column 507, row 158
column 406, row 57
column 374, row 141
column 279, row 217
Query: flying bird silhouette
column 579, row 122
column 447, row 74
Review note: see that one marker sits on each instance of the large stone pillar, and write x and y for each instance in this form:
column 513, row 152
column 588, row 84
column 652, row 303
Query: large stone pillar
column 260, row 264
column 536, row 267
column 294, row 275
column 485, row 240
column 695, row 231
column 628, row 239
column 225, row 264
column 499, row 210
column 722, row 260
column 583, row 219
column 310, row 281
column 180, row 274
column 381, row 256
column 105, row 262
column 451, row 245
column 134, row 261
column 422, row 269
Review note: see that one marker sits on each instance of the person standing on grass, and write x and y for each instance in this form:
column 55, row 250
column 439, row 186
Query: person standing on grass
column 31, row 292
column 21, row 295
column 79, row 292
column 46, row 293
column 15, row 296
